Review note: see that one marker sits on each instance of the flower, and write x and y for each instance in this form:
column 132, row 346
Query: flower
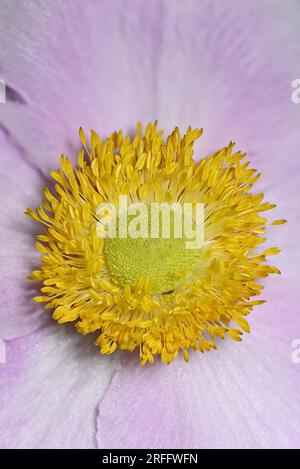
column 227, row 66
column 155, row 293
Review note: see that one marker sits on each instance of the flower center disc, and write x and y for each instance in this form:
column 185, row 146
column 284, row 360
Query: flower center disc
column 163, row 261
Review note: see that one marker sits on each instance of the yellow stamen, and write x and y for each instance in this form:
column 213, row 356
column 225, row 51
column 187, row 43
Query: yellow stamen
column 155, row 296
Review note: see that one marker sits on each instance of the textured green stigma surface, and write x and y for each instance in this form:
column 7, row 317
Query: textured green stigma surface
column 164, row 261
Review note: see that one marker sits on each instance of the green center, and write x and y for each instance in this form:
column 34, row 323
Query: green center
column 164, row 261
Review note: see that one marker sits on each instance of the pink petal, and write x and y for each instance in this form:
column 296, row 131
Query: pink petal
column 69, row 66
column 49, row 389
column 227, row 67
column 239, row 396
column 19, row 184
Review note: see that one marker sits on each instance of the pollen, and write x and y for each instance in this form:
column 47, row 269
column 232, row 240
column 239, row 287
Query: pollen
column 156, row 295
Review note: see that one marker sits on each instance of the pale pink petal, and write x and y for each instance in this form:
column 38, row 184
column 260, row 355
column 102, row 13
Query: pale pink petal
column 69, row 65
column 49, row 387
column 225, row 66
column 19, row 184
column 243, row 395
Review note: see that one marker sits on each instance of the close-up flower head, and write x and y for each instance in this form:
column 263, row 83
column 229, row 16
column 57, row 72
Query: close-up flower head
column 150, row 223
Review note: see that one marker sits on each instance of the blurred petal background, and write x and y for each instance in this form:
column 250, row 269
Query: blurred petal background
column 225, row 66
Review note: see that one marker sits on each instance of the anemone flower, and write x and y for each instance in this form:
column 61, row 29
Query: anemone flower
column 227, row 67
